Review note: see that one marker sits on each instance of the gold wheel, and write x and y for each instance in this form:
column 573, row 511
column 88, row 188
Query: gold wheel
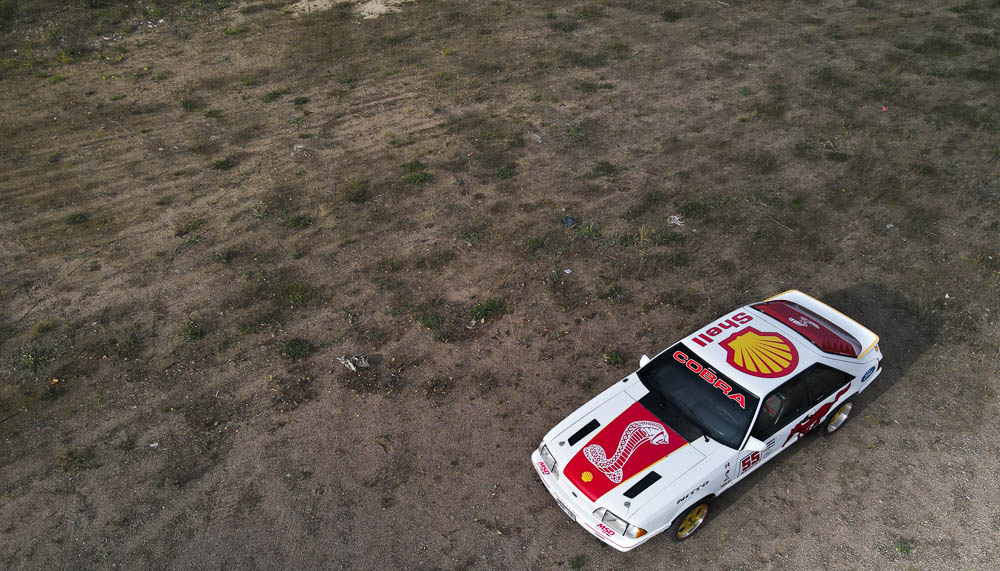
column 839, row 417
column 692, row 521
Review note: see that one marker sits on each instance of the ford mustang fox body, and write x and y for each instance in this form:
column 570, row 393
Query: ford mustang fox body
column 650, row 452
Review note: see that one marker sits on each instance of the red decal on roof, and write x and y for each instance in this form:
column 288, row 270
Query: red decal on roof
column 628, row 445
column 820, row 332
column 767, row 355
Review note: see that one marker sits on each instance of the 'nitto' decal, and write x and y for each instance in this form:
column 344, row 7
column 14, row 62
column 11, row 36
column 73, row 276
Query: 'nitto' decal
column 804, row 427
column 760, row 354
column 710, row 377
column 635, row 435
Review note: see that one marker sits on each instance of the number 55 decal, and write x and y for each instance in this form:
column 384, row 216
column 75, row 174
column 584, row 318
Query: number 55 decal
column 749, row 461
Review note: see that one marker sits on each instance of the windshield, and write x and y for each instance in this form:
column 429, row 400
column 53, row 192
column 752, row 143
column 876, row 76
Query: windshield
column 718, row 406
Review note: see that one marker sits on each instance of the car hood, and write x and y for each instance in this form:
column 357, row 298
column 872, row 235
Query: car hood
column 613, row 446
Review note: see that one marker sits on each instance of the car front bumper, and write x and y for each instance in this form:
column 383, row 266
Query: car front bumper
column 580, row 510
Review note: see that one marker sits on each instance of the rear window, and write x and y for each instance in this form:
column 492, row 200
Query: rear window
column 819, row 331
column 714, row 403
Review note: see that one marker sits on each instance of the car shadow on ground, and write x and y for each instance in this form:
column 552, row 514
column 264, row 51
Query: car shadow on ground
column 905, row 333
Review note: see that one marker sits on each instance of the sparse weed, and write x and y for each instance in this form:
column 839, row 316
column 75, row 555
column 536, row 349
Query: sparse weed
column 225, row 256
column 614, row 359
column 295, row 293
column 296, row 349
column 472, row 234
column 224, row 164
column 590, row 230
column 417, row 178
column 32, row 359
column 273, row 95
column 532, row 245
column 299, row 222
column 574, row 134
column 489, row 308
column 76, row 218
column 604, row 168
column 354, row 190
column 192, row 330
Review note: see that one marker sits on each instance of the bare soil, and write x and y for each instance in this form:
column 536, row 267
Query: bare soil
column 205, row 205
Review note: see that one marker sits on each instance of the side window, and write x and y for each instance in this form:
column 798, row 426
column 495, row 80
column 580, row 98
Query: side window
column 822, row 381
column 785, row 404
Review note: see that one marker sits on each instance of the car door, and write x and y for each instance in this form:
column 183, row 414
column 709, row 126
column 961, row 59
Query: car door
column 779, row 412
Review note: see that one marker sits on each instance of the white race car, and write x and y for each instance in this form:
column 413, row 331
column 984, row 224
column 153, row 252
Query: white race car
column 651, row 452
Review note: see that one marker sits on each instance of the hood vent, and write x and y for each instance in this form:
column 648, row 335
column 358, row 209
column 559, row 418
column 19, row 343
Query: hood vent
column 640, row 486
column 587, row 429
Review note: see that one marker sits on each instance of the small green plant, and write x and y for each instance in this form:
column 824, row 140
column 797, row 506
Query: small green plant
column 472, row 234
column 679, row 259
column 533, row 245
column 577, row 562
column 248, row 79
column 614, row 358
column 489, row 308
column 574, row 134
column 32, row 359
column 904, row 546
column 414, row 166
column 192, row 330
column 590, row 230
column 300, row 100
column 354, row 190
column 235, row 31
column 41, row 328
column 190, row 103
column 430, row 320
column 299, row 222
column 417, row 178
column 129, row 345
column 225, row 256
column 214, row 114
column 160, row 76
column 296, row 349
column 672, row 15
column 188, row 226
column 295, row 293
column 604, row 168
column 613, row 294
column 224, row 164
column 76, row 218
column 273, row 96
column 506, row 172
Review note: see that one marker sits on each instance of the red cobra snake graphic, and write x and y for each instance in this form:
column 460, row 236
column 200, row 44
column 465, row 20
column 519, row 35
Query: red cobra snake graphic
column 804, row 427
column 635, row 435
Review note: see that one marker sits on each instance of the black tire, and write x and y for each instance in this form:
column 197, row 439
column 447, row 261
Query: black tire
column 838, row 418
column 691, row 520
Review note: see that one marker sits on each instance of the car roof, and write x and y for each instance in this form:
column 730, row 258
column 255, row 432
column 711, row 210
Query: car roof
column 753, row 349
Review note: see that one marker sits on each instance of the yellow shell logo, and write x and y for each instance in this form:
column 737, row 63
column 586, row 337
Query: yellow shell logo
column 586, row 476
column 760, row 354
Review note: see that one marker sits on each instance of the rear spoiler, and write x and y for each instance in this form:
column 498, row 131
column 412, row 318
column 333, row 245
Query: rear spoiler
column 865, row 336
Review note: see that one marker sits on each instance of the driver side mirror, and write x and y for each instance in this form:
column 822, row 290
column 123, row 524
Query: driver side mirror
column 754, row 445
column 643, row 360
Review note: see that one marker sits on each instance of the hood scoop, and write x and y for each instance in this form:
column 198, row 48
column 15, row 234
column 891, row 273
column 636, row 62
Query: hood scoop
column 640, row 486
column 580, row 434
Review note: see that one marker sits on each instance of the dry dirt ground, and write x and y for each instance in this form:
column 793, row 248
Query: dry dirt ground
column 204, row 204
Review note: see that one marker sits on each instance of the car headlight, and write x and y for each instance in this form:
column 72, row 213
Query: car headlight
column 618, row 524
column 550, row 461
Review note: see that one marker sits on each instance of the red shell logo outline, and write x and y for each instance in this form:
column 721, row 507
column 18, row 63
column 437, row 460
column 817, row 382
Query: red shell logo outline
column 769, row 355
